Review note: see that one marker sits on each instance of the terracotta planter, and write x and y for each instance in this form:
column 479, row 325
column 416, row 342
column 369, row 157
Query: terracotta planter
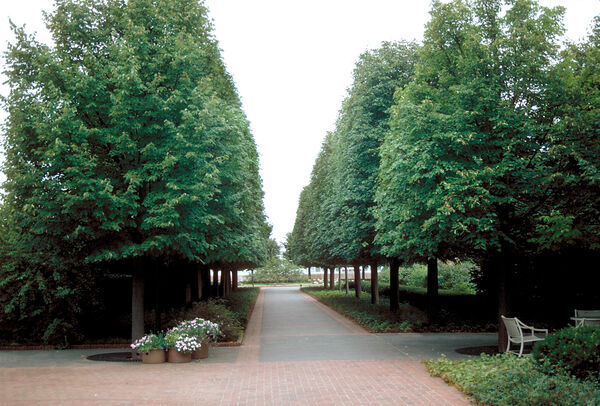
column 202, row 352
column 154, row 356
column 179, row 357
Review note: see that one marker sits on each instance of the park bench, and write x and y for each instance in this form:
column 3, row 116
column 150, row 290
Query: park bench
column 586, row 318
column 515, row 327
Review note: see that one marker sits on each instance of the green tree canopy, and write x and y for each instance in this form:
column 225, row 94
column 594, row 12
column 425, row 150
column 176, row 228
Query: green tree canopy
column 125, row 141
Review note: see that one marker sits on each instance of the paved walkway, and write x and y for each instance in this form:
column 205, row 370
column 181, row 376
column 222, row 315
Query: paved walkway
column 296, row 352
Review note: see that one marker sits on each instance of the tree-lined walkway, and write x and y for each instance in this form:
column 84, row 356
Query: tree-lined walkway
column 294, row 352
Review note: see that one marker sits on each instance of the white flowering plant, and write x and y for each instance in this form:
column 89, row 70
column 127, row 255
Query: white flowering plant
column 204, row 330
column 182, row 341
column 149, row 342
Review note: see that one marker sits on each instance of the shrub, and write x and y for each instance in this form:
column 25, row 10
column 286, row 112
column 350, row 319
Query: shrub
column 457, row 276
column 507, row 380
column 230, row 313
column 575, row 351
column 452, row 275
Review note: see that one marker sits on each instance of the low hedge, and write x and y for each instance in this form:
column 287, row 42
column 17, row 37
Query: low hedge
column 375, row 318
column 477, row 311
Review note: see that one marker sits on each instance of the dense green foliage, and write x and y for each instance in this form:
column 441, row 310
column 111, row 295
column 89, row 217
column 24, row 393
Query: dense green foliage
column 571, row 351
column 277, row 269
column 281, row 272
column 126, row 149
column 488, row 152
column 335, row 223
column 505, row 380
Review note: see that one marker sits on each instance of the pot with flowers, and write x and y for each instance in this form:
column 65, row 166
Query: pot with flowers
column 151, row 347
column 206, row 332
column 180, row 345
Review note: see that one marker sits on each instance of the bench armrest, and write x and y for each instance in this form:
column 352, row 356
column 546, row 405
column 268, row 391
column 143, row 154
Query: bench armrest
column 533, row 329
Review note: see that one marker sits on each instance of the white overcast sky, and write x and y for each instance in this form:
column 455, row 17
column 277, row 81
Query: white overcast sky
column 292, row 62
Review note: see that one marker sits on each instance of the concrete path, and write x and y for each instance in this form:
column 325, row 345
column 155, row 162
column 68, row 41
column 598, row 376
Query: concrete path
column 296, row 352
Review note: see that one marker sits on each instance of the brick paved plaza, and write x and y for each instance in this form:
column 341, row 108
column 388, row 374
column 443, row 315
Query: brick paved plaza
column 296, row 352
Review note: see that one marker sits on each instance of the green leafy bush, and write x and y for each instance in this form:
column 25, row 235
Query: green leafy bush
column 230, row 313
column 505, row 380
column 575, row 351
column 279, row 271
column 453, row 276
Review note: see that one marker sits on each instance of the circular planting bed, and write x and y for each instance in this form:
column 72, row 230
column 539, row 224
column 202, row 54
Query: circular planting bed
column 123, row 356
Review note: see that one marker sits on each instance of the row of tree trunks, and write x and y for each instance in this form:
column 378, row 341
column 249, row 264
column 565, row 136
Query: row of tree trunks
column 195, row 282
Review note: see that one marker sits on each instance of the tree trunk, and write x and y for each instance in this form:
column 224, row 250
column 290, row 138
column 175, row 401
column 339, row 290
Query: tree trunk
column 193, row 278
column 137, row 306
column 205, row 274
column 309, row 277
column 221, row 286
column 394, row 267
column 374, row 284
column 364, row 273
column 225, row 277
column 340, row 278
column 157, row 321
column 346, row 275
column 234, row 281
column 200, row 283
column 215, row 287
column 331, row 278
column 188, row 294
column 432, row 288
column 325, row 278
column 503, row 301
column 357, row 280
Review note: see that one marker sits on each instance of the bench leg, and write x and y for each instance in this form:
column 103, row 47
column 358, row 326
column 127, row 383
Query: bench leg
column 521, row 350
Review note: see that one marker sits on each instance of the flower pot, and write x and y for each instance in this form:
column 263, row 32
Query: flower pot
column 179, row 357
column 202, row 352
column 154, row 356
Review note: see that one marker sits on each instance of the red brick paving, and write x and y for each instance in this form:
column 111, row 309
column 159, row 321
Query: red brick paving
column 245, row 382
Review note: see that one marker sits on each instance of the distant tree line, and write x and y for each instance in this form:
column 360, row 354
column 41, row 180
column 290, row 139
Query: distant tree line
column 481, row 143
column 127, row 152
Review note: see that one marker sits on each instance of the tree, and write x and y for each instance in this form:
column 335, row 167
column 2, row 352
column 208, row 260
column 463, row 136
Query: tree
column 361, row 127
column 464, row 167
column 334, row 222
column 123, row 141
